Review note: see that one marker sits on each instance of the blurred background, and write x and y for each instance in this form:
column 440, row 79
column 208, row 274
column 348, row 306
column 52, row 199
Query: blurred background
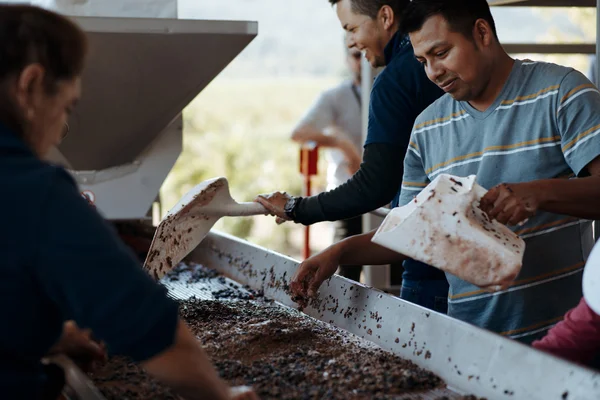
column 240, row 125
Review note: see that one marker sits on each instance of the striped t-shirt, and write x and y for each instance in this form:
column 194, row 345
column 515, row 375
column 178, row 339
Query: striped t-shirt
column 544, row 124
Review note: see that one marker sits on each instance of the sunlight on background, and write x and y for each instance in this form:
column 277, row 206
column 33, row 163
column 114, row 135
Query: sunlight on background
column 239, row 126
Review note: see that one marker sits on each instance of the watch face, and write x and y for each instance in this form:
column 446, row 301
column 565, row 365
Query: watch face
column 289, row 206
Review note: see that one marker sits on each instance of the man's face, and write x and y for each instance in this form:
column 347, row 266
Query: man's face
column 353, row 58
column 458, row 65
column 365, row 34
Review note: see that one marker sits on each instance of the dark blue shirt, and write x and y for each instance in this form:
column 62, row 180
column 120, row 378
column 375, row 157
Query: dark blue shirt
column 400, row 93
column 61, row 260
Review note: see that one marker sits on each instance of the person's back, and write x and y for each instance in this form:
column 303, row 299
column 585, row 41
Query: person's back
column 64, row 269
column 25, row 189
column 42, row 286
column 497, row 145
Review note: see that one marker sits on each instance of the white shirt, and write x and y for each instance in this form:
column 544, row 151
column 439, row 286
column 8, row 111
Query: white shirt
column 339, row 108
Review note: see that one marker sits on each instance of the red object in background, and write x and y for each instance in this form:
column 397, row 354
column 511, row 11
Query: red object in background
column 309, row 158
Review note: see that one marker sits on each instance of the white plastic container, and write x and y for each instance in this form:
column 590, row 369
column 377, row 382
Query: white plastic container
column 444, row 227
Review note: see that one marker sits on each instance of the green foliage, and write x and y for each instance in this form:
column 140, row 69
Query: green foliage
column 240, row 129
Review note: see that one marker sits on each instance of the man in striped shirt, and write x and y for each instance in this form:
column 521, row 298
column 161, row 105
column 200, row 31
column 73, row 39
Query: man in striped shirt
column 524, row 128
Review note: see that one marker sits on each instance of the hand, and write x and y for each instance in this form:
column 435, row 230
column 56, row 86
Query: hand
column 275, row 204
column 78, row 345
column 242, row 393
column 511, row 203
column 312, row 273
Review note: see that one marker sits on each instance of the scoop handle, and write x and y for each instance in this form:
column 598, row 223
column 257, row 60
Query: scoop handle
column 244, row 209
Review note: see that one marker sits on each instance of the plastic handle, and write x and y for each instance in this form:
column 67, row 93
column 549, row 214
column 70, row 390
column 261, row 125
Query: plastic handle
column 247, row 209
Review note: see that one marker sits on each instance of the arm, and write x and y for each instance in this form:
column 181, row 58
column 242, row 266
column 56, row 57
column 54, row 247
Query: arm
column 307, row 133
column 512, row 203
column 577, row 197
column 185, row 367
column 576, row 338
column 578, row 122
column 357, row 249
column 320, row 117
column 399, row 95
column 338, row 140
column 361, row 250
column 374, row 185
column 92, row 277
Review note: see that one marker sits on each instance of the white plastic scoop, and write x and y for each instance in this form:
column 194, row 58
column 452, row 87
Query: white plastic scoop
column 444, row 227
column 591, row 280
column 188, row 223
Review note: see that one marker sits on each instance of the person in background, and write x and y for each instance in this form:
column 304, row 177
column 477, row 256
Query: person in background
column 334, row 122
column 530, row 132
column 65, row 272
column 399, row 94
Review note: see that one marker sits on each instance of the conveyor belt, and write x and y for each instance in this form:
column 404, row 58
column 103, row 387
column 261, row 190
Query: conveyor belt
column 186, row 287
column 467, row 358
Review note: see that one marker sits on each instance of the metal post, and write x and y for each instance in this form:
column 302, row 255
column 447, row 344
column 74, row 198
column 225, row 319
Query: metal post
column 309, row 160
column 597, row 42
column 597, row 223
column 376, row 276
column 307, row 193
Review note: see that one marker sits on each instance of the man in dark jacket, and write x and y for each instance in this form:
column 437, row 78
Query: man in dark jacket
column 400, row 93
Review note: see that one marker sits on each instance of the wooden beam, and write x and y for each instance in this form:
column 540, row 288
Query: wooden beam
column 544, row 48
column 542, row 3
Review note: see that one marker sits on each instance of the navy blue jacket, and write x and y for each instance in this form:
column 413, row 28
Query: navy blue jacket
column 400, row 93
column 61, row 260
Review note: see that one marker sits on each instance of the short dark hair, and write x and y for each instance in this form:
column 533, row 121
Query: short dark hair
column 370, row 8
column 460, row 14
column 33, row 35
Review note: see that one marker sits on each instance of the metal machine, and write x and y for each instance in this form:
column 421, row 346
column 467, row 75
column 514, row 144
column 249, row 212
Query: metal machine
column 127, row 134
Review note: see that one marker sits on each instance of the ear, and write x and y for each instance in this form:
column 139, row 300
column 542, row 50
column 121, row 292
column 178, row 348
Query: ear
column 387, row 17
column 30, row 85
column 482, row 33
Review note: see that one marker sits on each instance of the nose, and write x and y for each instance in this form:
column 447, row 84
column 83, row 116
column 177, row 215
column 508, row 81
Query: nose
column 350, row 40
column 434, row 71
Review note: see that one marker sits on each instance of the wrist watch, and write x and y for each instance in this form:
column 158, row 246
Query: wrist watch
column 290, row 207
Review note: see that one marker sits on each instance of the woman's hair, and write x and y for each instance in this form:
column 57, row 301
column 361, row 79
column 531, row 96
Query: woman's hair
column 32, row 35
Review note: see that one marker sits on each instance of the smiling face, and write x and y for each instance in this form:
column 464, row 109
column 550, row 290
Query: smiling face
column 368, row 35
column 459, row 65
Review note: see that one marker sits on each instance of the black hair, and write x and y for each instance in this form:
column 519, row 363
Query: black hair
column 460, row 14
column 370, row 8
column 32, row 35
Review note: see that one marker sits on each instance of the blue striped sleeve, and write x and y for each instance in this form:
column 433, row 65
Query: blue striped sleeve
column 578, row 118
